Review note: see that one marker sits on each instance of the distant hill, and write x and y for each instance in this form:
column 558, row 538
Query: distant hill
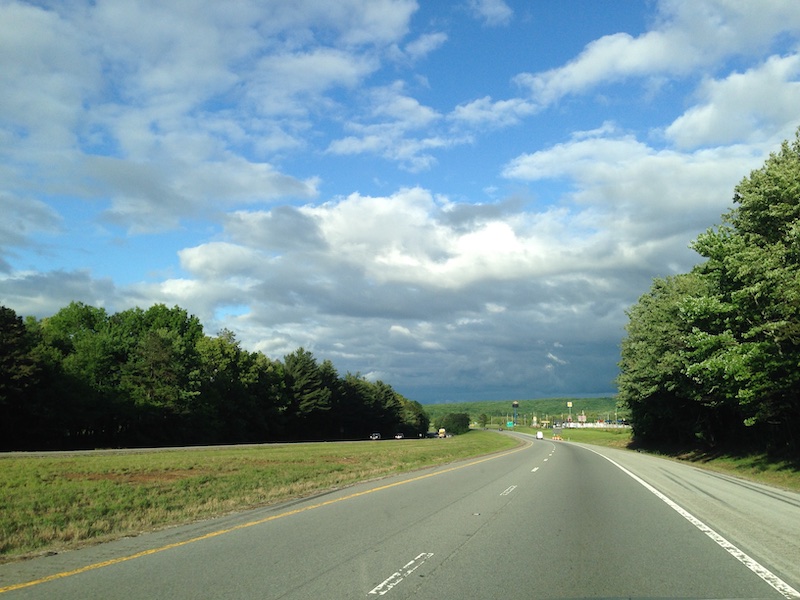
column 554, row 409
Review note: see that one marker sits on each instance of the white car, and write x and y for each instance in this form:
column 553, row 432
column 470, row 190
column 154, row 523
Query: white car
column 539, row 435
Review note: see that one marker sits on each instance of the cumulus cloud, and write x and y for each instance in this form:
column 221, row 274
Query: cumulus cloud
column 492, row 12
column 45, row 293
column 22, row 219
column 688, row 35
column 399, row 271
column 318, row 176
column 493, row 113
column 760, row 103
column 425, row 44
column 398, row 127
column 646, row 197
column 149, row 106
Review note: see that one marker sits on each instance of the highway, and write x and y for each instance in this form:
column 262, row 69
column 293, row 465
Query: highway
column 547, row 520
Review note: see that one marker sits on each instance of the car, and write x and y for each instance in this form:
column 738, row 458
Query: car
column 539, row 435
column 375, row 436
column 399, row 436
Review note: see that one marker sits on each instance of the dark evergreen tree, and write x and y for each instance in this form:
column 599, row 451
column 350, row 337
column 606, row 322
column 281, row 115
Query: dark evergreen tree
column 309, row 397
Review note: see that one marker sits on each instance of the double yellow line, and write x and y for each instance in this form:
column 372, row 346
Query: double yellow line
column 213, row 534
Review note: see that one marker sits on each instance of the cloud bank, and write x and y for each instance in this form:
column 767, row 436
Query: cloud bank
column 324, row 175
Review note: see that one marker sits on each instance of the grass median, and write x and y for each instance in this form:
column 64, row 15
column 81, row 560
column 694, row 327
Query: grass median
column 50, row 503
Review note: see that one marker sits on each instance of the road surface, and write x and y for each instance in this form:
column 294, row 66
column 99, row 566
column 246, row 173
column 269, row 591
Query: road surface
column 547, row 520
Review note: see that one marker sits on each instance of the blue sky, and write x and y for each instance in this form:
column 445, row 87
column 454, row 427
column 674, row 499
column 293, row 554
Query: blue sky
column 459, row 198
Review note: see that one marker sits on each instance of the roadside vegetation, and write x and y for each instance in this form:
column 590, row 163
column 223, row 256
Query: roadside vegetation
column 57, row 501
column 84, row 379
column 498, row 412
column 710, row 360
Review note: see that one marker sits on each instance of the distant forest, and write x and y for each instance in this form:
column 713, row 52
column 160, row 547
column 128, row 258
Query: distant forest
column 554, row 410
column 87, row 379
column 712, row 357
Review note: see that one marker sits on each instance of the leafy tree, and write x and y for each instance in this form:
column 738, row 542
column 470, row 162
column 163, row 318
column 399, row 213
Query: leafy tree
column 415, row 420
column 19, row 376
column 82, row 388
column 387, row 407
column 17, row 369
column 454, row 423
column 713, row 355
column 355, row 413
column 240, row 392
column 754, row 263
column 265, row 384
column 367, row 407
column 653, row 381
column 161, row 374
column 83, row 378
column 309, row 397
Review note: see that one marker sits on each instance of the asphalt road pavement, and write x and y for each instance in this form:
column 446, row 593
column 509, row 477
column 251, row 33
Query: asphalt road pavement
column 547, row 520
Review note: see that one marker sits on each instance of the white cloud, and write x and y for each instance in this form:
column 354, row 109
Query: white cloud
column 44, row 294
column 152, row 108
column 247, row 128
column 494, row 114
column 492, row 12
column 555, row 359
column 22, row 219
column 397, row 127
column 303, row 77
column 425, row 44
column 642, row 203
column 688, row 35
column 220, row 260
column 155, row 195
column 46, row 71
column 757, row 105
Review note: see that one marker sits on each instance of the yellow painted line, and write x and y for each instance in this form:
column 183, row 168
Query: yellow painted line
column 213, row 534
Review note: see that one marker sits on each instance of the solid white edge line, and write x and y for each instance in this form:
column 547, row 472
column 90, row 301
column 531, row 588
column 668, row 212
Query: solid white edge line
column 786, row 590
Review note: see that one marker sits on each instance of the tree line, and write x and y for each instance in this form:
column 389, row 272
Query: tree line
column 712, row 357
column 84, row 378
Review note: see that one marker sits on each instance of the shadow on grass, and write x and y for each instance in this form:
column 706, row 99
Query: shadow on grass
column 738, row 457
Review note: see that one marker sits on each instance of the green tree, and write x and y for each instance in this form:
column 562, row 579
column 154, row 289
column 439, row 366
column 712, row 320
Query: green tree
column 265, row 384
column 240, row 392
column 753, row 259
column 454, row 423
column 309, row 397
column 713, row 355
column 415, row 420
column 161, row 374
column 355, row 414
column 653, row 383
column 19, row 377
column 82, row 388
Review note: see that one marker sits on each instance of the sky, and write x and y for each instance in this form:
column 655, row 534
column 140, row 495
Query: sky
column 461, row 199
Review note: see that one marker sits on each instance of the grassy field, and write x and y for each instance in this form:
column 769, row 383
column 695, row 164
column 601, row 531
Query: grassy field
column 54, row 502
